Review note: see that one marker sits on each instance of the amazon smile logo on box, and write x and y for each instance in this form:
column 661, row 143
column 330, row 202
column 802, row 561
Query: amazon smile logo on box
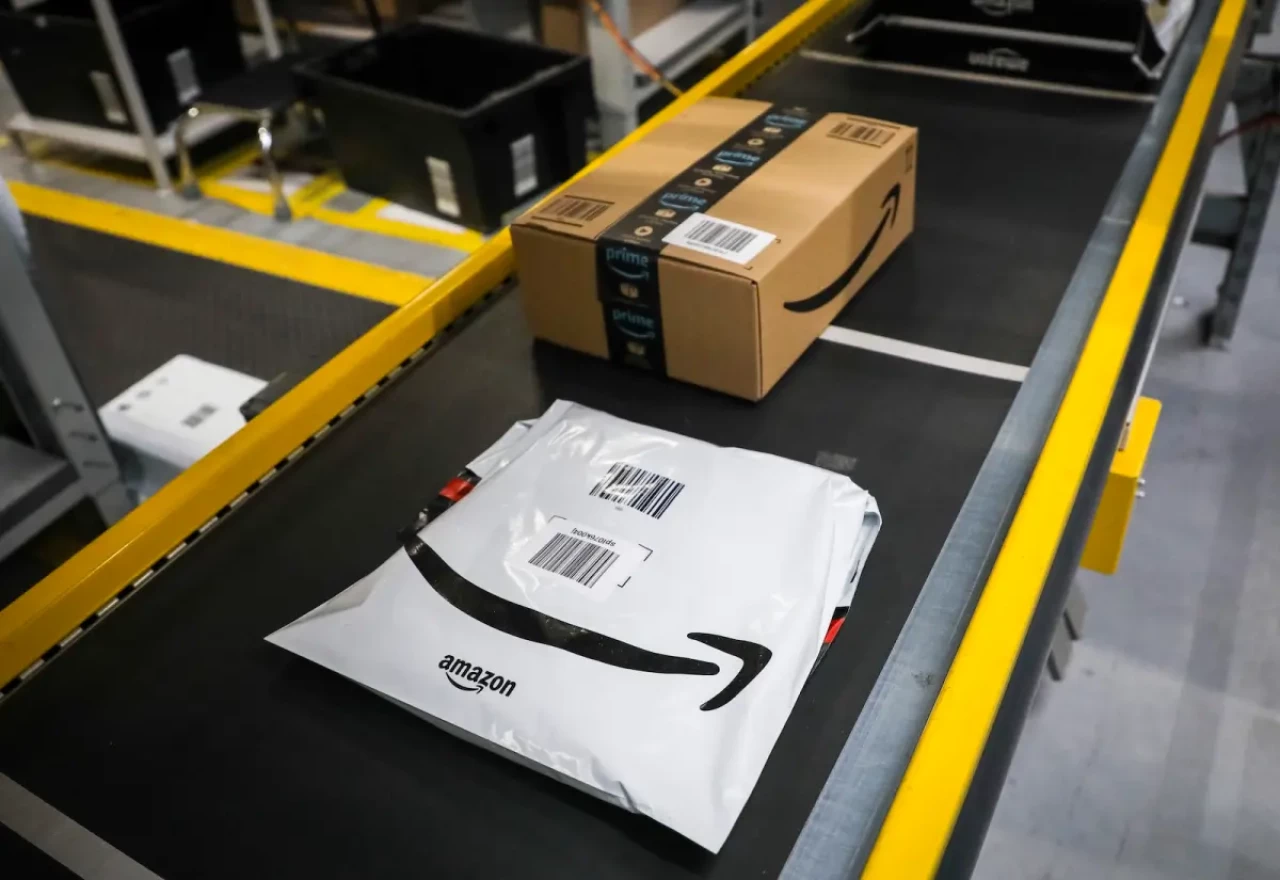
column 633, row 324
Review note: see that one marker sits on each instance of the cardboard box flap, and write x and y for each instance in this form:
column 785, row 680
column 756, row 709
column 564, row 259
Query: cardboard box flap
column 592, row 204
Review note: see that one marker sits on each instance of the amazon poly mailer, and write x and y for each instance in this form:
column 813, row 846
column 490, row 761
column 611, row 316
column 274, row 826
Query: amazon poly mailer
column 625, row 609
column 720, row 245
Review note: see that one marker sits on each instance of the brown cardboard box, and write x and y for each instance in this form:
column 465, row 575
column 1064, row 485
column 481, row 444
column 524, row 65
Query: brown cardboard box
column 783, row 214
column 564, row 21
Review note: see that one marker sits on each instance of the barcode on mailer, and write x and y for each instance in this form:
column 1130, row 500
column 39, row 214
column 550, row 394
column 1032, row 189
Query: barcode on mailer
column 574, row 211
column 720, row 238
column 638, row 489
column 201, row 413
column 574, row 558
column 863, row 133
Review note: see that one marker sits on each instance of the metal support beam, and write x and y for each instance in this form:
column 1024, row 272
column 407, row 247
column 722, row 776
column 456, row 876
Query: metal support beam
column 1233, row 221
column 267, row 22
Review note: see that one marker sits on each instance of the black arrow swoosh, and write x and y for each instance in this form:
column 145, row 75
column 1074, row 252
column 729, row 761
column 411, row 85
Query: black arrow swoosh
column 832, row 290
column 470, row 690
column 534, row 626
column 754, row 658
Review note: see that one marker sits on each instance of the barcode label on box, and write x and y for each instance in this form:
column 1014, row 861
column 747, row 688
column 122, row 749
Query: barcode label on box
column 200, row 415
column 586, row 557
column 861, row 131
column 720, row 238
column 442, row 187
column 524, row 165
column 638, row 489
column 575, row 558
column 573, row 211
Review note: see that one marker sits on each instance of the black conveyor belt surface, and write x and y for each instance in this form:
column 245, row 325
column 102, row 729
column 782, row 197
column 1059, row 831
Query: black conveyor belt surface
column 122, row 308
column 181, row 737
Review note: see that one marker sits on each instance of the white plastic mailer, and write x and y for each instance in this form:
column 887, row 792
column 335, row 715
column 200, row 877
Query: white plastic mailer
column 629, row 610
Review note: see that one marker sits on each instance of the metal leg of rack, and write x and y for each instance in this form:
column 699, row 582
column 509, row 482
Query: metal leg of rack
column 128, row 80
column 1235, row 222
column 267, row 23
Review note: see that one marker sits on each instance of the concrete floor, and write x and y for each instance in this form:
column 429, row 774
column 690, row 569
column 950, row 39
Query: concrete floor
column 1158, row 756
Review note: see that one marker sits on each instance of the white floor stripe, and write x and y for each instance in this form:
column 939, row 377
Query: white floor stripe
column 924, row 354
column 77, row 848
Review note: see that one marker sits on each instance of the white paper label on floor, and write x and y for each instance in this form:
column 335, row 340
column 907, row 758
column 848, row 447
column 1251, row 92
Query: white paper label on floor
column 591, row 560
column 720, row 238
column 524, row 165
column 442, row 186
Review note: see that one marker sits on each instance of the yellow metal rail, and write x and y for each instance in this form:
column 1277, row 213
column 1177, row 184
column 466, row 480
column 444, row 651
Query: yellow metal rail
column 919, row 823
column 45, row 615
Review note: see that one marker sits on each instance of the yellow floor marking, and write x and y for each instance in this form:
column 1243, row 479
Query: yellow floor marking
column 277, row 258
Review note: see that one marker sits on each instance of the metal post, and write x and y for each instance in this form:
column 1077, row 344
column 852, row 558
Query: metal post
column 267, row 23
column 132, row 92
column 612, row 74
column 1235, row 222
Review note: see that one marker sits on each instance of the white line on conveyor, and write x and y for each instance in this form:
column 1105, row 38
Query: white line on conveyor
column 924, row 354
column 75, row 847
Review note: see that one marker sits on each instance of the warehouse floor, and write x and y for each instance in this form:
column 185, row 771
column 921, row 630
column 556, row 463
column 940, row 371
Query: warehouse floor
column 1158, row 756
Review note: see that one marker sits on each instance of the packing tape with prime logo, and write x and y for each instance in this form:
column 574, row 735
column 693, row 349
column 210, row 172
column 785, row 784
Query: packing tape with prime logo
column 627, row 252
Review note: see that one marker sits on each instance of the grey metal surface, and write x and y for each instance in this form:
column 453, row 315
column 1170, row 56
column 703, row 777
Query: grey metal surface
column 382, row 250
column 842, row 828
column 49, row 397
column 40, row 518
column 70, row 844
column 1156, row 758
column 23, row 470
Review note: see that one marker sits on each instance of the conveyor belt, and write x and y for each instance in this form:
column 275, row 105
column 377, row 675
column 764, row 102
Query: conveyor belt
column 180, row 737
column 123, row 308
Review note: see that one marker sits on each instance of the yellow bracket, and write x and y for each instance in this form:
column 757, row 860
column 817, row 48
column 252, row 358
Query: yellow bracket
column 1111, row 522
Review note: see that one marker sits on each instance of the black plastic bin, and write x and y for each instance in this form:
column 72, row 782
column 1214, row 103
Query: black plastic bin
column 1105, row 44
column 59, row 65
column 452, row 122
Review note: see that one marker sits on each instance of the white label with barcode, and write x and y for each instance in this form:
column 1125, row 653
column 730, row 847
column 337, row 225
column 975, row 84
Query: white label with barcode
column 442, row 186
column 590, row 559
column 720, row 238
column 524, row 165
